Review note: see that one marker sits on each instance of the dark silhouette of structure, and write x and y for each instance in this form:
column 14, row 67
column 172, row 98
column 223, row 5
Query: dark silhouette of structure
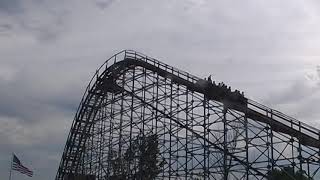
column 287, row 173
column 204, row 130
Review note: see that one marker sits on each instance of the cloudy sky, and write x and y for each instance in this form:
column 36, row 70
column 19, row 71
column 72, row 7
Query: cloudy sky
column 50, row 49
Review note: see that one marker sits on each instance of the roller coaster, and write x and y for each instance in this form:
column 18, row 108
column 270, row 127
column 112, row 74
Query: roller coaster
column 205, row 130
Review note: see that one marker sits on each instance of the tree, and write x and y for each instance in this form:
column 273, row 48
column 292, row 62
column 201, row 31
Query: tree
column 149, row 165
column 140, row 160
column 287, row 173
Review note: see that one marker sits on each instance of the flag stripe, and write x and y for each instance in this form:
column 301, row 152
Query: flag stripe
column 28, row 173
column 24, row 168
column 18, row 165
column 25, row 172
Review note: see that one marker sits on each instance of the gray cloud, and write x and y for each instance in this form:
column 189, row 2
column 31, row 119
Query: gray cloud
column 297, row 92
column 299, row 99
column 5, row 27
column 10, row 6
column 43, row 20
column 103, row 4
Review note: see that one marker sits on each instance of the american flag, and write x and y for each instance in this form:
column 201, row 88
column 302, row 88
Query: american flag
column 17, row 166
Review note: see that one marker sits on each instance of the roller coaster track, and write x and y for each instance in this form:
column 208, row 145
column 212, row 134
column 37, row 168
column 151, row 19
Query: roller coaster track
column 104, row 90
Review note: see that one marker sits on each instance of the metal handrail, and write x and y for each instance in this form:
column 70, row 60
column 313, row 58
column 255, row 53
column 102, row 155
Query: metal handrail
column 285, row 117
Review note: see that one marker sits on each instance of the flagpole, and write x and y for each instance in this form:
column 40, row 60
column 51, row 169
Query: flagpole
column 11, row 166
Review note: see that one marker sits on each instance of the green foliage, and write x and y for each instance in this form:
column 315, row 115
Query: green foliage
column 140, row 160
column 287, row 173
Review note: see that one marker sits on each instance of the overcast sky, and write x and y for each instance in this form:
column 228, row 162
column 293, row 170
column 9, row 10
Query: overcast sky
column 50, row 49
